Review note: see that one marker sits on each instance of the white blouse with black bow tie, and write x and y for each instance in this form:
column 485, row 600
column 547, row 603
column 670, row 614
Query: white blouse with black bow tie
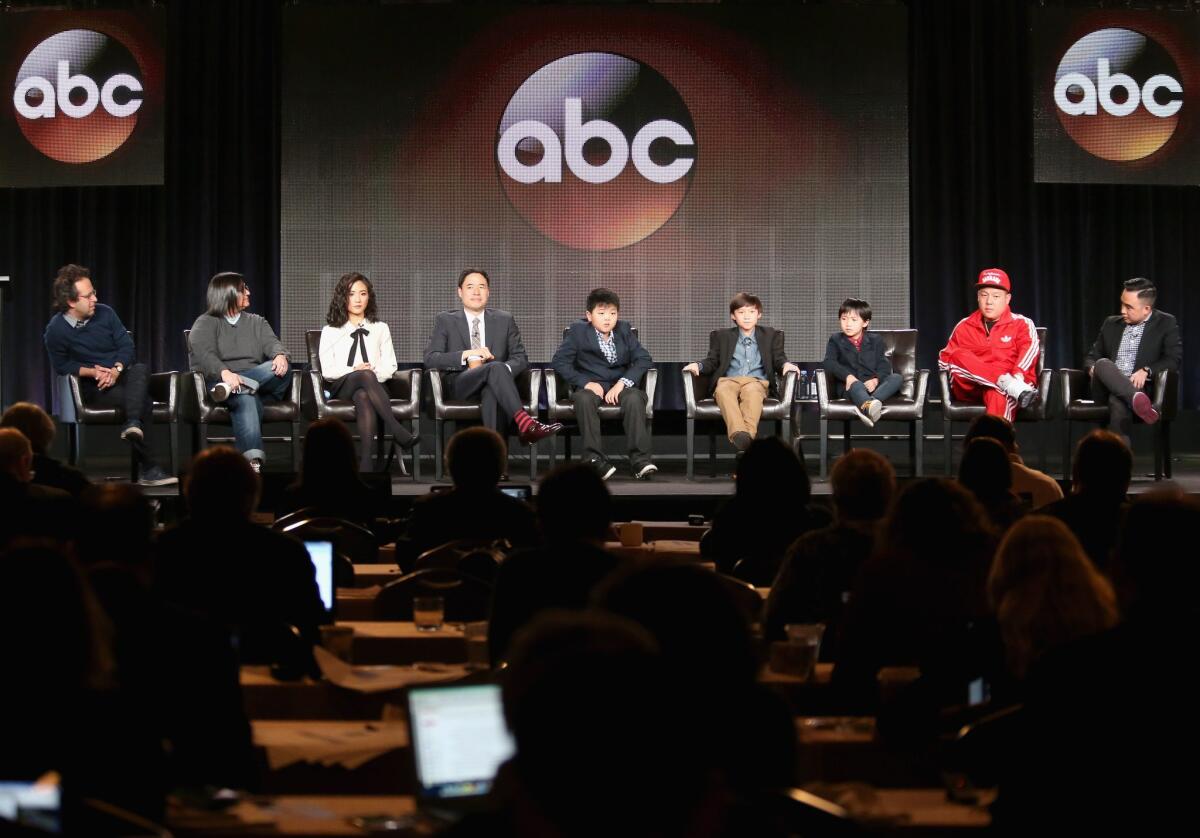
column 344, row 347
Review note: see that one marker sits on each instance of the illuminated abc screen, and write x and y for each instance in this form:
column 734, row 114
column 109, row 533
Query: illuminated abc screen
column 84, row 98
column 675, row 154
column 1114, row 96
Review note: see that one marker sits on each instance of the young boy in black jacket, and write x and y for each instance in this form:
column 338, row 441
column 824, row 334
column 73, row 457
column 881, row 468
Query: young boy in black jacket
column 857, row 360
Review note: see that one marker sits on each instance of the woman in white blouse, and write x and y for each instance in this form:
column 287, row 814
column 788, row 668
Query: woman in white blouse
column 356, row 357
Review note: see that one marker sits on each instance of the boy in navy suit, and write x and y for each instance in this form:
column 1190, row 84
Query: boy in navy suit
column 744, row 360
column 859, row 362
column 602, row 360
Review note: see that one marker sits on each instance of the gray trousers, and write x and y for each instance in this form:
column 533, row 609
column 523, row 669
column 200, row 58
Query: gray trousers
column 1111, row 385
column 632, row 402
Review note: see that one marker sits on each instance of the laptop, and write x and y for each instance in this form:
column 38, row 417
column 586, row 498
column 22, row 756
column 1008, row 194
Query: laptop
column 321, row 555
column 458, row 741
column 29, row 803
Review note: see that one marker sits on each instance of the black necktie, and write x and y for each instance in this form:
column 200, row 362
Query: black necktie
column 358, row 343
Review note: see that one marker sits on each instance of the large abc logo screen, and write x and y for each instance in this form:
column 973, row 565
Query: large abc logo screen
column 596, row 150
column 1118, row 94
column 77, row 96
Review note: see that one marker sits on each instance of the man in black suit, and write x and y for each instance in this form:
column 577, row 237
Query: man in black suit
column 459, row 346
column 1132, row 347
column 743, row 361
column 602, row 360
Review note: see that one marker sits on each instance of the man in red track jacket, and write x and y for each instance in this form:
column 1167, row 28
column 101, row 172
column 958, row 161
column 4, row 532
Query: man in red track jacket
column 992, row 354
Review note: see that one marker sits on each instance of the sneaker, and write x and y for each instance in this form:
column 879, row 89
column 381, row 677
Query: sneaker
column 1028, row 398
column 257, row 465
column 604, row 469
column 132, row 432
column 220, row 392
column 875, row 410
column 1144, row 408
column 155, row 476
column 741, row 440
column 864, row 413
column 647, row 471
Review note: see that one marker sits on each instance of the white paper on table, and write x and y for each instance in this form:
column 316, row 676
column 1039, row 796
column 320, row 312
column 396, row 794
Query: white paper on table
column 346, row 745
column 376, row 679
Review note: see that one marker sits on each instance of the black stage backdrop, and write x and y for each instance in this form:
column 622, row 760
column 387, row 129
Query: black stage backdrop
column 973, row 200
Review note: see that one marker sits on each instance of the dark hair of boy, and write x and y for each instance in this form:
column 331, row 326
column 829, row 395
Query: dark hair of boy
column 603, row 297
column 742, row 299
column 860, row 307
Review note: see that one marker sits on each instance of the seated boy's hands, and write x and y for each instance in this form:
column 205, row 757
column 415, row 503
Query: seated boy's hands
column 871, row 384
column 790, row 367
column 612, row 395
column 694, row 368
column 850, row 381
column 593, row 387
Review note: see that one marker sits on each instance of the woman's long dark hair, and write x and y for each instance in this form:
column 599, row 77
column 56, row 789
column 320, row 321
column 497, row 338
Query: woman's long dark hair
column 338, row 312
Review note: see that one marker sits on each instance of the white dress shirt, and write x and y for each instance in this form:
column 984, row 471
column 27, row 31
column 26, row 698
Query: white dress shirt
column 336, row 343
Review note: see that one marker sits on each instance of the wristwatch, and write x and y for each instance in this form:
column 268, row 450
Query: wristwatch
column 119, row 367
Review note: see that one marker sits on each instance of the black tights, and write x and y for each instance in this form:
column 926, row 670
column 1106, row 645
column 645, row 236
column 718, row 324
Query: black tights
column 371, row 404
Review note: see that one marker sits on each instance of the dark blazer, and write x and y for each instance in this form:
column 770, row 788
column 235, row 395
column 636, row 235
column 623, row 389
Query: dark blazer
column 842, row 359
column 1160, row 349
column 451, row 336
column 721, row 343
column 580, row 361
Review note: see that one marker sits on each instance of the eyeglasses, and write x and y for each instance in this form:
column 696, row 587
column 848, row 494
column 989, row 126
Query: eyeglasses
column 91, row 295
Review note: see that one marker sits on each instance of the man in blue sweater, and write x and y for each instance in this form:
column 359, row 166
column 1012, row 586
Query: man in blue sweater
column 87, row 339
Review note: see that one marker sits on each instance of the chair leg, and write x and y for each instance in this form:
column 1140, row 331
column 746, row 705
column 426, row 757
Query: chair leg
column 567, row 448
column 712, row 455
column 947, row 447
column 1043, row 444
column 1165, row 430
column 912, row 449
column 74, row 449
column 416, row 452
column 785, row 430
column 201, row 436
column 1158, row 454
column 918, row 434
column 691, row 449
column 439, row 430
column 824, row 461
column 1066, row 450
column 176, row 466
column 296, row 446
column 133, row 466
column 533, row 458
column 845, row 437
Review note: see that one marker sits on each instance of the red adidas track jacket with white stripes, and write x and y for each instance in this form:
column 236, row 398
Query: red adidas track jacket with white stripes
column 1011, row 346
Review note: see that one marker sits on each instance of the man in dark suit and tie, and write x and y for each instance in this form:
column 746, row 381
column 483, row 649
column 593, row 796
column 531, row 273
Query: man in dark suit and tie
column 1130, row 350
column 743, row 361
column 479, row 350
column 602, row 360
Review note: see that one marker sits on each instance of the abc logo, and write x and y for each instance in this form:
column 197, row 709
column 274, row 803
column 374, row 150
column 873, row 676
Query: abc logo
column 77, row 96
column 1118, row 94
column 596, row 150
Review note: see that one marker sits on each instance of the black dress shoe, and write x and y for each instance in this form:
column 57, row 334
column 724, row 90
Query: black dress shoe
column 538, row 431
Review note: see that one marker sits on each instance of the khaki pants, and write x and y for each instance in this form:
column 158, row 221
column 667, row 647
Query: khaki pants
column 741, row 402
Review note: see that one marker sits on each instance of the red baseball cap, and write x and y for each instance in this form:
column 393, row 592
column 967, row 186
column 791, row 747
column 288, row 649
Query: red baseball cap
column 994, row 278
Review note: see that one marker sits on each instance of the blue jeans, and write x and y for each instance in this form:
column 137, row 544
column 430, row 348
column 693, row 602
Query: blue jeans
column 887, row 388
column 246, row 409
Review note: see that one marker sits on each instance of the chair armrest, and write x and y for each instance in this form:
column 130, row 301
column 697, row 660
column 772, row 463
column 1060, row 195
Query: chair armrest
column 165, row 387
column 651, row 388
column 920, row 392
column 689, row 394
column 1074, row 385
column 1045, row 385
column 1166, row 393
column 787, row 392
column 944, row 381
column 411, row 377
column 435, row 386
column 76, row 393
column 822, row 391
column 297, row 383
column 535, row 388
column 193, row 394
column 318, row 388
column 551, row 386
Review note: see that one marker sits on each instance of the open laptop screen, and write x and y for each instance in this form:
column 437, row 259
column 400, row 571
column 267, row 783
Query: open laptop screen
column 459, row 739
column 321, row 554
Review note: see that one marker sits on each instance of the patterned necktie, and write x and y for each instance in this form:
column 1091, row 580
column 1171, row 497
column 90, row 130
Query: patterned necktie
column 358, row 343
column 475, row 343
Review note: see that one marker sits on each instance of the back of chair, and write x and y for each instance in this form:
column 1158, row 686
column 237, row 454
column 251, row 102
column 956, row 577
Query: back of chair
column 901, row 350
column 1041, row 361
column 348, row 538
column 466, row 597
column 312, row 340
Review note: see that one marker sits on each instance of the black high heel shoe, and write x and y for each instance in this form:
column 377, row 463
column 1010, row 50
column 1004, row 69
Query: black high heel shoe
column 387, row 466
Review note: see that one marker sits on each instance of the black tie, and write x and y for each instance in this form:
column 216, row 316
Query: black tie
column 358, row 343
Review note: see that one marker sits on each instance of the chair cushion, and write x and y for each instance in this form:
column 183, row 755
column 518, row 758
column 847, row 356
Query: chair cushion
column 1086, row 410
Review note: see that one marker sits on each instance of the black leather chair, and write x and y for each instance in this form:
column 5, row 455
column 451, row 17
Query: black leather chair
column 778, row 410
column 1078, row 406
column 164, row 388
column 467, row 598
column 528, row 384
column 202, row 411
column 906, row 406
column 953, row 411
column 562, row 409
column 404, row 387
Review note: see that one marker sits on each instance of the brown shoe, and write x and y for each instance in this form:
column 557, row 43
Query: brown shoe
column 538, row 431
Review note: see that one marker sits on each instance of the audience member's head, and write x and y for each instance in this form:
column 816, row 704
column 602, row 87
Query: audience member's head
column 1103, row 466
column 991, row 426
column 938, row 522
column 1155, row 580
column 985, row 470
column 16, row 455
column 863, row 482
column 573, row 504
column 221, row 487
column 1045, row 591
column 771, row 472
column 329, row 458
column 116, row 525
column 698, row 624
column 603, row 736
column 32, row 421
column 475, row 458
